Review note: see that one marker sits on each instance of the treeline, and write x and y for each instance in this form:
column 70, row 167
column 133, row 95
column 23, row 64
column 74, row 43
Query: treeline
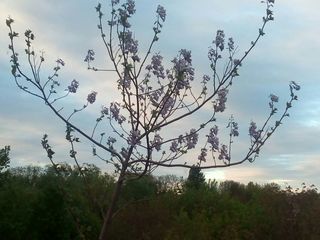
column 41, row 203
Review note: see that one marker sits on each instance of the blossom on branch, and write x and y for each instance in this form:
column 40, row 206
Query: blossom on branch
column 184, row 72
column 274, row 98
column 156, row 66
column 156, row 143
column 168, row 103
column 191, row 139
column 213, row 138
column 73, row 86
column 130, row 46
column 133, row 138
column 115, row 112
column 234, row 129
column 161, row 12
column 203, row 155
column 130, row 6
column 174, row 146
column 90, row 56
column 220, row 104
column 92, row 97
column 219, row 41
column 253, row 132
column 224, row 153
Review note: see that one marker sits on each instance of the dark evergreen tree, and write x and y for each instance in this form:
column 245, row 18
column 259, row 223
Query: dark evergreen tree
column 196, row 178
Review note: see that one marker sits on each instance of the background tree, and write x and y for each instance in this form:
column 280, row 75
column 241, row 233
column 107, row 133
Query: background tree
column 4, row 158
column 196, row 178
column 34, row 207
column 154, row 98
column 4, row 163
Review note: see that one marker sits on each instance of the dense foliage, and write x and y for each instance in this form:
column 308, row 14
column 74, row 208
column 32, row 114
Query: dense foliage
column 37, row 203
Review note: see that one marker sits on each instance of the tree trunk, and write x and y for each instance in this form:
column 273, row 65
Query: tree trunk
column 108, row 217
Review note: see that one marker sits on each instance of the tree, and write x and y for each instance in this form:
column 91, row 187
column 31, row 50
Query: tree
column 4, row 163
column 154, row 99
column 4, row 158
column 196, row 178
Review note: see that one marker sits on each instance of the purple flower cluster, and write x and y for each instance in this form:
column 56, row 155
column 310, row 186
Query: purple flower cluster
column 253, row 132
column 269, row 12
column 220, row 104
column 174, row 146
column 125, row 81
column 115, row 112
column 111, row 141
column 133, row 138
column 90, row 56
column 167, row 104
column 180, row 139
column 125, row 12
column 224, row 153
column 213, row 54
column 161, row 12
column 130, row 45
column 186, row 55
column 206, row 79
column 157, row 141
column 91, row 98
column 203, row 154
column 73, row 86
column 274, row 98
column 155, row 96
column 191, row 139
column 130, row 6
column 213, row 138
column 135, row 58
column 219, row 41
column 104, row 111
column 123, row 18
column 231, row 44
column 183, row 69
column 156, row 66
column 234, row 129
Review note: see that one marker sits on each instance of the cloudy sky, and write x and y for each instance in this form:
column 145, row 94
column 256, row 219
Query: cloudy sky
column 288, row 52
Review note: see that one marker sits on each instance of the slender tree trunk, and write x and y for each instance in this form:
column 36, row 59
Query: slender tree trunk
column 108, row 217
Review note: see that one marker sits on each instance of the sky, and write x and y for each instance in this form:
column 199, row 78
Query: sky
column 288, row 52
